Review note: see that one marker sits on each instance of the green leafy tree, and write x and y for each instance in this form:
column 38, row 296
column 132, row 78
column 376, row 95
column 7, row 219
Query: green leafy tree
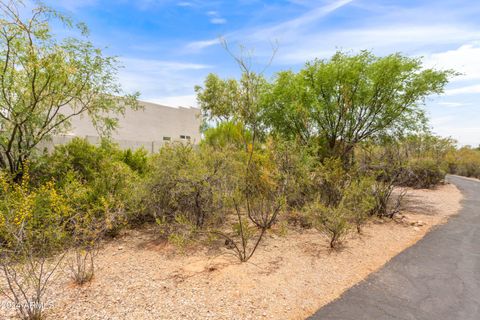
column 339, row 102
column 45, row 81
column 238, row 101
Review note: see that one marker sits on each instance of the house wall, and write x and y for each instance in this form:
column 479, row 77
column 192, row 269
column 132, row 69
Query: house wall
column 146, row 127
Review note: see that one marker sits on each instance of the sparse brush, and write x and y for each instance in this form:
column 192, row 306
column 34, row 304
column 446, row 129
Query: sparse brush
column 86, row 233
column 82, row 266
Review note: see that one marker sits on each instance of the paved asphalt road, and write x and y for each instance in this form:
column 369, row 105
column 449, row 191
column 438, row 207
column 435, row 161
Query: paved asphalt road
column 436, row 279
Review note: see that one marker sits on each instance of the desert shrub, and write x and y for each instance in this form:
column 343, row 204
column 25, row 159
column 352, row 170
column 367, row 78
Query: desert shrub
column 32, row 211
column 387, row 201
column 85, row 232
column 257, row 195
column 110, row 196
column 250, row 223
column 242, row 235
column 418, row 161
column 253, row 193
column 330, row 180
column 223, row 191
column 32, row 239
column 295, row 164
column 86, row 159
column 256, row 188
column 384, row 161
column 82, row 265
column 345, row 198
column 185, row 181
column 263, row 210
column 465, row 162
column 299, row 218
column 77, row 156
column 100, row 172
column 422, row 173
column 427, row 160
column 359, row 199
column 332, row 221
column 137, row 160
column 226, row 134
column 181, row 232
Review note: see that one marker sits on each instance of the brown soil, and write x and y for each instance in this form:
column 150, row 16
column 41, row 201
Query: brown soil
column 289, row 277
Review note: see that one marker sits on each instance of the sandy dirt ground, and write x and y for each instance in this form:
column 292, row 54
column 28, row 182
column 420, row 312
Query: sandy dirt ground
column 289, row 277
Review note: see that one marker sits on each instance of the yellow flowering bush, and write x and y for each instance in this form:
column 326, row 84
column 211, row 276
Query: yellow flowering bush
column 33, row 237
column 33, row 217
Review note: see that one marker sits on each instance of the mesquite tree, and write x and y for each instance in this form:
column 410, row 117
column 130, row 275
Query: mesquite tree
column 45, row 81
column 338, row 102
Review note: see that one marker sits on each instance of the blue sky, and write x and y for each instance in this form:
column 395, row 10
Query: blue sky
column 169, row 46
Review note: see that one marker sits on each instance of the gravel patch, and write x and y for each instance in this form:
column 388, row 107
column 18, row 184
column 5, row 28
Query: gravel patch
column 289, row 277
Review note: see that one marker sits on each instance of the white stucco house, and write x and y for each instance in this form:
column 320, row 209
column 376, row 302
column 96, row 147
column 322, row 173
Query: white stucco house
column 150, row 127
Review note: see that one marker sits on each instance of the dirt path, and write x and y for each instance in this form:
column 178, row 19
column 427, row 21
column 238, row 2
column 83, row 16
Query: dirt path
column 289, row 277
column 436, row 279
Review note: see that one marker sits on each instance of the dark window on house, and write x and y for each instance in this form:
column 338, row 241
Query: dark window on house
column 182, row 137
column 167, row 138
column 188, row 137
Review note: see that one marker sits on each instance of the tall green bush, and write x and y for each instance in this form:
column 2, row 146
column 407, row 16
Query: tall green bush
column 98, row 178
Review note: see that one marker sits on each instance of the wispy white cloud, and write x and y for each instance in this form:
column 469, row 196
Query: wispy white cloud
column 306, row 3
column 301, row 38
column 453, row 104
column 155, row 79
column 216, row 18
column 199, row 45
column 185, row 4
column 292, row 25
column 151, row 64
column 411, row 38
column 152, row 4
column 289, row 28
column 470, row 89
column 465, row 59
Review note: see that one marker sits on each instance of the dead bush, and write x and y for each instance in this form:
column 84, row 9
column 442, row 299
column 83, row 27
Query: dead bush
column 251, row 225
column 82, row 265
column 86, row 233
